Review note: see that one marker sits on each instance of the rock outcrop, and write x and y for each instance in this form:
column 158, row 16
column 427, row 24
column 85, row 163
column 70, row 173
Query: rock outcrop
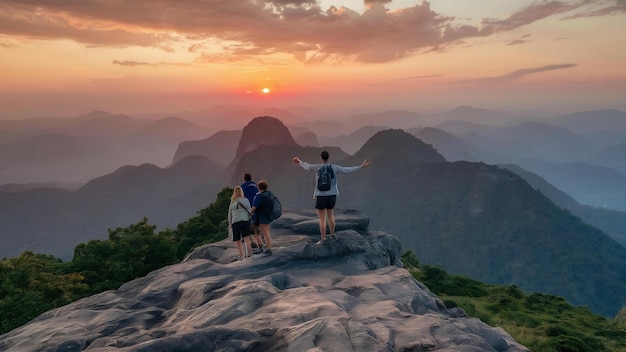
column 350, row 294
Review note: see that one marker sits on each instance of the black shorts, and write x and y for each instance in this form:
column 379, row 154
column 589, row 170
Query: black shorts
column 325, row 202
column 241, row 229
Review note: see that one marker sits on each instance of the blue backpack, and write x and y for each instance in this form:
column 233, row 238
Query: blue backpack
column 272, row 206
column 324, row 177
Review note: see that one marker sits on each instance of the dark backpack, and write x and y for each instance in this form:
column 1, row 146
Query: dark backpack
column 324, row 177
column 273, row 208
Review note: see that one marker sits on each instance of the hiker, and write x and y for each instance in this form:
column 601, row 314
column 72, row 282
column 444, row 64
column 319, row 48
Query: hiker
column 261, row 208
column 326, row 191
column 239, row 213
column 250, row 190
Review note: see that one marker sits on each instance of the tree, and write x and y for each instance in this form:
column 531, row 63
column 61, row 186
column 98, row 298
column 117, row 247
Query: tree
column 129, row 253
column 32, row 284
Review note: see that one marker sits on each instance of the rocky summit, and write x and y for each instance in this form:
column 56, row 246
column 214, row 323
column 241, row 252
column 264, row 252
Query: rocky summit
column 349, row 294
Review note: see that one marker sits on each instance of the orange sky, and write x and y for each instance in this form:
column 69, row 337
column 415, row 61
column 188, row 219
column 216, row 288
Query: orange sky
column 63, row 58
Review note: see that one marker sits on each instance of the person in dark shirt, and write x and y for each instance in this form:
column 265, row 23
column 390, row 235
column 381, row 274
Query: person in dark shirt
column 250, row 190
column 261, row 207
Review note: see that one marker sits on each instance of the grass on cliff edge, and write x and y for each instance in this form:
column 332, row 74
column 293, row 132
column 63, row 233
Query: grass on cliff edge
column 543, row 323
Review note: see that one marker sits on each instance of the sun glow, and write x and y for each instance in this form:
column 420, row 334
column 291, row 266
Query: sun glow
column 265, row 90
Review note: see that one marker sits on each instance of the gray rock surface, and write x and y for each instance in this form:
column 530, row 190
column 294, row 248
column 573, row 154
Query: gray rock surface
column 350, row 294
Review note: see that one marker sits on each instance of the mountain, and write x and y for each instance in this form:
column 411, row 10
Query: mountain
column 589, row 184
column 352, row 142
column 463, row 127
column 612, row 222
column 593, row 121
column 553, row 143
column 49, row 157
column 303, row 136
column 171, row 129
column 532, row 140
column 102, row 124
column 613, row 156
column 225, row 142
column 349, row 295
column 472, row 219
column 392, row 119
column 526, row 140
column 263, row 130
column 324, row 128
column 473, row 115
column 54, row 221
column 452, row 147
column 75, row 150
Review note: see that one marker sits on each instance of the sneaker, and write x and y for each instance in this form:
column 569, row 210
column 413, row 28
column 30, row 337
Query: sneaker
column 322, row 242
column 333, row 237
column 267, row 252
column 238, row 257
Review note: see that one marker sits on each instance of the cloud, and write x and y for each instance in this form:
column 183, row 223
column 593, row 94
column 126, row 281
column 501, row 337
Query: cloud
column 386, row 83
column 131, row 63
column 259, row 29
column 606, row 8
column 517, row 42
column 529, row 15
column 515, row 75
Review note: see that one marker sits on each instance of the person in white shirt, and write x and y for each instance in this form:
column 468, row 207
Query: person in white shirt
column 326, row 197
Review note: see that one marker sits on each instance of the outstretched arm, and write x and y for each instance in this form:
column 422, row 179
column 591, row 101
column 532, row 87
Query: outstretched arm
column 351, row 169
column 304, row 164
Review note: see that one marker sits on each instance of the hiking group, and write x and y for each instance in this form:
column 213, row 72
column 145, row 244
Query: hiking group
column 252, row 210
column 253, row 207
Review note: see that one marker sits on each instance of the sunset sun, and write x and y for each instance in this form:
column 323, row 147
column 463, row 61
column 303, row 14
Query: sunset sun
column 265, row 90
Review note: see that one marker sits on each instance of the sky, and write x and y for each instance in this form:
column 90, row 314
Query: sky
column 67, row 57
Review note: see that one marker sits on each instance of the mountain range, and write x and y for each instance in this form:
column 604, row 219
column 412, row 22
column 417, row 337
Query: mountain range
column 470, row 218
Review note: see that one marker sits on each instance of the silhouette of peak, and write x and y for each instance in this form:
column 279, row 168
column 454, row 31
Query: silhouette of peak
column 263, row 130
column 396, row 145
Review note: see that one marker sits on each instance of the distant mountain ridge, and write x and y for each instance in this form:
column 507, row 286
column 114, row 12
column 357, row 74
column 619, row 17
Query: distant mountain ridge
column 54, row 221
column 220, row 147
column 471, row 218
column 72, row 150
column 593, row 121
column 612, row 222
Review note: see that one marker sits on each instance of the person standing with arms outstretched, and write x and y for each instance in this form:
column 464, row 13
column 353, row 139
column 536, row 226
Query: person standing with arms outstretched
column 326, row 190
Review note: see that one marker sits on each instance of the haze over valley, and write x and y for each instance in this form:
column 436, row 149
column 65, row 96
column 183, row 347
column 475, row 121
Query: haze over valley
column 453, row 173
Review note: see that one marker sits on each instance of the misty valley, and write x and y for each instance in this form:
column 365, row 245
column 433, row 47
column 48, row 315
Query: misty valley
column 506, row 198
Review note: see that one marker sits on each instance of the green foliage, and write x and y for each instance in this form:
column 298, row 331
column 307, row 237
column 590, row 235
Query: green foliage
column 34, row 283
column 210, row 225
column 543, row 323
column 410, row 260
column 129, row 253
column 438, row 280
